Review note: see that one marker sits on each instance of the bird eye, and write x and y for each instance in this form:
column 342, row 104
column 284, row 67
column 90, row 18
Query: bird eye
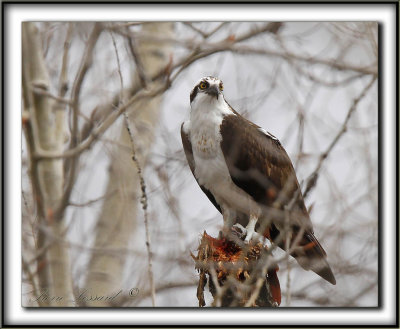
column 221, row 86
column 203, row 85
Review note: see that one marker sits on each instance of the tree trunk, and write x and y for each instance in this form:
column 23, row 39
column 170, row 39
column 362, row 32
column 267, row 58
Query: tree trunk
column 117, row 220
column 45, row 133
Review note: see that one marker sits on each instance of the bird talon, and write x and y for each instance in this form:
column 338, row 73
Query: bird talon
column 239, row 229
column 251, row 235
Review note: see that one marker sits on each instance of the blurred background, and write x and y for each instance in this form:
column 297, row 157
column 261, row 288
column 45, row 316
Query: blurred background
column 94, row 225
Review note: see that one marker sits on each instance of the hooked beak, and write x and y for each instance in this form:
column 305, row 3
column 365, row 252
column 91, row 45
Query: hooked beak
column 213, row 91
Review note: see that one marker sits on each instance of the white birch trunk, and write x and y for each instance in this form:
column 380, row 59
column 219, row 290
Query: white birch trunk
column 117, row 220
column 46, row 127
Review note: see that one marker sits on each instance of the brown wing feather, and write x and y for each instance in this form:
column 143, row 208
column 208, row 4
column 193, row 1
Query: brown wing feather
column 260, row 166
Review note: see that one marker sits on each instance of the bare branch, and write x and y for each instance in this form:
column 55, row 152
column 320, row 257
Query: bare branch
column 143, row 201
column 368, row 70
column 71, row 166
column 139, row 66
column 40, row 91
column 311, row 181
column 98, row 131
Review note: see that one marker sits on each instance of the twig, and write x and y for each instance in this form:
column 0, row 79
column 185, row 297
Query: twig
column 311, row 181
column 76, row 90
column 272, row 27
column 143, row 201
column 136, row 58
column 219, row 290
column 260, row 276
column 292, row 60
column 40, row 91
column 288, row 248
column 90, row 202
column 221, row 46
column 118, row 26
column 59, row 106
column 121, row 79
column 31, row 279
column 98, row 131
column 115, row 252
column 63, row 83
column 161, row 288
column 29, row 212
column 194, row 28
column 258, row 285
column 205, row 35
column 366, row 70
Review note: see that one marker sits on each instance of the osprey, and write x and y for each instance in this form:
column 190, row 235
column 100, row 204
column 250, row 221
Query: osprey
column 248, row 176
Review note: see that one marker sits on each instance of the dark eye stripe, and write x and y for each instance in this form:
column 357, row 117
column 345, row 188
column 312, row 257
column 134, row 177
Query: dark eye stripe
column 193, row 94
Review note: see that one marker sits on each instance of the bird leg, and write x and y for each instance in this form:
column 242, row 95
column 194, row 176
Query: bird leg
column 229, row 217
column 249, row 230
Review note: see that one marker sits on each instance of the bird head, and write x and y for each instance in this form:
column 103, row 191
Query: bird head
column 208, row 86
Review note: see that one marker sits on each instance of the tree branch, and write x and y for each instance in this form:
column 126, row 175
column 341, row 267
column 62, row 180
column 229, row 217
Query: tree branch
column 312, row 179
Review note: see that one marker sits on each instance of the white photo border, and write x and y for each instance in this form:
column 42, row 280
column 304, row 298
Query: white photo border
column 14, row 14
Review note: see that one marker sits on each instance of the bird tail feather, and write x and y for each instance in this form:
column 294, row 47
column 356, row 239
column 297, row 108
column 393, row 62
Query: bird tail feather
column 311, row 256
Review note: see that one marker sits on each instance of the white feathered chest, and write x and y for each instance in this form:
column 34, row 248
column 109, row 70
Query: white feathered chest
column 205, row 136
